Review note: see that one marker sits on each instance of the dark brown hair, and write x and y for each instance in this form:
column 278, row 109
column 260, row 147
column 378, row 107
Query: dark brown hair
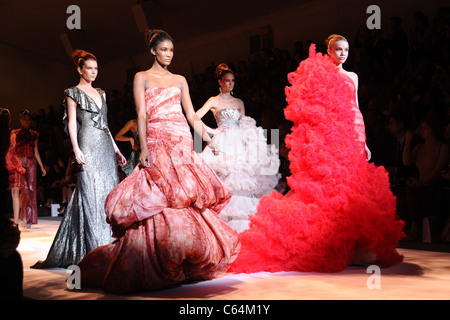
column 155, row 36
column 80, row 57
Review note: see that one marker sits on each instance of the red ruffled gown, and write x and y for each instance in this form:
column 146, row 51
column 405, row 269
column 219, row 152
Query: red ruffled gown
column 340, row 206
column 165, row 217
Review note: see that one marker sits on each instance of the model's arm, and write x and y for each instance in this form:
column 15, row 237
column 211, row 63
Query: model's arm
column 354, row 77
column 38, row 157
column 121, row 160
column 241, row 108
column 72, row 126
column 120, row 136
column 119, row 156
column 139, row 100
column 204, row 110
column 191, row 115
column 200, row 113
column 196, row 123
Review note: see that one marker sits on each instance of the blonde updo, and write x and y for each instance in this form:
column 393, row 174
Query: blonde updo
column 332, row 39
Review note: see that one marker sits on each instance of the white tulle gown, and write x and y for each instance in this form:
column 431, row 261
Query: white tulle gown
column 246, row 165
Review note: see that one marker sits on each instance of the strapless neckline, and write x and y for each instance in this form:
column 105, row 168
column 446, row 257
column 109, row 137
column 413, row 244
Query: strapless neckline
column 162, row 88
column 227, row 109
column 230, row 116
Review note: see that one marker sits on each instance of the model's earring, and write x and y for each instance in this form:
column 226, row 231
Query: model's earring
column 231, row 92
column 220, row 90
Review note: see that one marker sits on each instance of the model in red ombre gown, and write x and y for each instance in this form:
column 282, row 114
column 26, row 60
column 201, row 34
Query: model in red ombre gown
column 340, row 207
column 13, row 164
column 165, row 217
column 24, row 149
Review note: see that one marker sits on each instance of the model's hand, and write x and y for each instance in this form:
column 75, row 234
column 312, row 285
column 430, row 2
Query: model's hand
column 44, row 172
column 222, row 127
column 144, row 158
column 214, row 148
column 79, row 156
column 368, row 153
column 120, row 158
column 134, row 145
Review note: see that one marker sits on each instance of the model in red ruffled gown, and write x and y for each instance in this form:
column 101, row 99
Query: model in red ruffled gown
column 165, row 213
column 340, row 209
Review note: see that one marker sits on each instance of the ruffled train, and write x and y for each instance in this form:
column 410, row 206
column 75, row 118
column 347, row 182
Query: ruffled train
column 340, row 207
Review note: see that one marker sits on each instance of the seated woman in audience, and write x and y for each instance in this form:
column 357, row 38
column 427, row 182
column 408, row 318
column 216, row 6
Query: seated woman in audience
column 431, row 159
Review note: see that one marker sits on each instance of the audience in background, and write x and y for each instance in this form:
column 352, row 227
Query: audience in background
column 403, row 71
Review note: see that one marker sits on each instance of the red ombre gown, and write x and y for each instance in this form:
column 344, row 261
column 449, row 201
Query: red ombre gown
column 165, row 217
column 340, row 207
column 24, row 149
column 13, row 164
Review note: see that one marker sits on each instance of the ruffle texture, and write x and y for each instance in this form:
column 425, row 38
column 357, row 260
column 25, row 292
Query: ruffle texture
column 85, row 103
column 340, row 205
column 246, row 165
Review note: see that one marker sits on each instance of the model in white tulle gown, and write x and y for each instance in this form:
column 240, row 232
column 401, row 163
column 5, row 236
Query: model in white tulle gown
column 246, row 164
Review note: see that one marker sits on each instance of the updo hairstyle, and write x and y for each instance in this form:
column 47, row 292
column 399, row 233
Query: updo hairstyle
column 221, row 70
column 80, row 57
column 332, row 39
column 155, row 36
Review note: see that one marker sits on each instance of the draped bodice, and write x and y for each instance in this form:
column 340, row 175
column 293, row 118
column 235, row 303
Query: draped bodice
column 89, row 113
column 166, row 122
column 228, row 116
column 164, row 105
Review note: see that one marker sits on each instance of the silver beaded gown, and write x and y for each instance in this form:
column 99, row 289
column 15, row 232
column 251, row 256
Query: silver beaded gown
column 83, row 226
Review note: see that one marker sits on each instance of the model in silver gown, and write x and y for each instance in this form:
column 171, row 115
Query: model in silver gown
column 84, row 227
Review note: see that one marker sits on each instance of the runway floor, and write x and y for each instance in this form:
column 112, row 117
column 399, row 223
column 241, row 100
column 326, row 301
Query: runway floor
column 423, row 275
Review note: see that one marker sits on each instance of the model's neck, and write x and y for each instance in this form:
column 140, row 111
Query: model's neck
column 85, row 83
column 157, row 67
column 226, row 95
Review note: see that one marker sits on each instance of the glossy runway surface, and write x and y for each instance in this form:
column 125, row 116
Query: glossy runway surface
column 422, row 275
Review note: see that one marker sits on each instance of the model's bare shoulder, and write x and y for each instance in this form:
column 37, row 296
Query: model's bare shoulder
column 353, row 75
column 140, row 77
column 179, row 78
column 181, row 81
column 240, row 102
